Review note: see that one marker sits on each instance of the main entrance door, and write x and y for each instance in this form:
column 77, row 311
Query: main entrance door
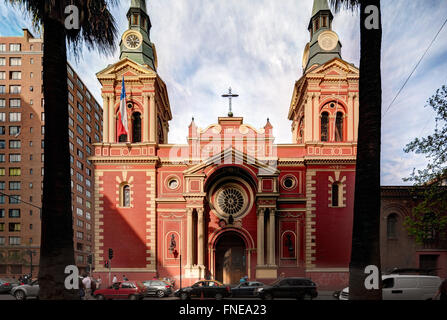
column 230, row 258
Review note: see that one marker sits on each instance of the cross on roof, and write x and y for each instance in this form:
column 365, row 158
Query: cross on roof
column 230, row 96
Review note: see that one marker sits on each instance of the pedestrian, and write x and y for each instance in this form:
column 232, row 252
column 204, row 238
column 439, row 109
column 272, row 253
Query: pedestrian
column 282, row 275
column 125, row 278
column 442, row 291
column 81, row 289
column 98, row 283
column 243, row 280
column 87, row 282
column 115, row 279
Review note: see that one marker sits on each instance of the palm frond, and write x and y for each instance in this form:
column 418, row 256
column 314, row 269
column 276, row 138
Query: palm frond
column 338, row 5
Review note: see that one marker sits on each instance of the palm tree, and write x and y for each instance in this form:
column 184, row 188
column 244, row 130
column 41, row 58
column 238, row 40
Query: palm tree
column 366, row 225
column 97, row 29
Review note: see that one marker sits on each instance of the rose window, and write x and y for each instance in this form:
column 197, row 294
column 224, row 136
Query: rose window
column 230, row 201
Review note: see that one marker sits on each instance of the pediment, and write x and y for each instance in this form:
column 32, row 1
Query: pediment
column 335, row 67
column 233, row 156
column 127, row 68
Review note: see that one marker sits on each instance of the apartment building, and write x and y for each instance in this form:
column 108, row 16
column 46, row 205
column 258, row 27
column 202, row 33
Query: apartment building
column 22, row 128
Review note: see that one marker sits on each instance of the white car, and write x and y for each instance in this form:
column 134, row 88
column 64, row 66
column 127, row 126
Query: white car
column 26, row 291
column 405, row 287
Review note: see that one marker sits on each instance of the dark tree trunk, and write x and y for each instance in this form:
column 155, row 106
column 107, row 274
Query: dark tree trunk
column 57, row 250
column 366, row 225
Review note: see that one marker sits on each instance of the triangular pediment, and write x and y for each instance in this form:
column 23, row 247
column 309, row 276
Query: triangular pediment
column 335, row 67
column 266, row 167
column 127, row 68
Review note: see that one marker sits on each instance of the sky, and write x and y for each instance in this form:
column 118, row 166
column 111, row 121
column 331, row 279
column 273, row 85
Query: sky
column 256, row 47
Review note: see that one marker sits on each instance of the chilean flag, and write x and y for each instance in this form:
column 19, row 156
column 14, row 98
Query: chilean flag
column 122, row 117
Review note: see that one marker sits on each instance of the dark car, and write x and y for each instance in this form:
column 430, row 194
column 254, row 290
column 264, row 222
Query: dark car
column 245, row 289
column 205, row 289
column 157, row 288
column 121, row 290
column 7, row 284
column 297, row 288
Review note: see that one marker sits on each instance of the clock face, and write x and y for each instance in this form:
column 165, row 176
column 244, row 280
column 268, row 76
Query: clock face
column 328, row 40
column 306, row 56
column 132, row 41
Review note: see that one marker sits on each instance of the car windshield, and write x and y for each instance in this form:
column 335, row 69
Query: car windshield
column 276, row 282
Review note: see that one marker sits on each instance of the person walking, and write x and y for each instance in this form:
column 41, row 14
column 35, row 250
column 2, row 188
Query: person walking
column 125, row 278
column 442, row 291
column 87, row 282
column 115, row 279
column 98, row 282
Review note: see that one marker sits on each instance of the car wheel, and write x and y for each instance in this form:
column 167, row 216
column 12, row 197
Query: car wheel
column 219, row 296
column 184, row 296
column 20, row 295
column 133, row 297
column 100, row 297
column 160, row 293
column 268, row 296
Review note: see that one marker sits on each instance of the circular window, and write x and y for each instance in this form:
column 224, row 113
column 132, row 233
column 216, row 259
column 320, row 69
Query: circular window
column 230, row 200
column 173, row 184
column 289, row 182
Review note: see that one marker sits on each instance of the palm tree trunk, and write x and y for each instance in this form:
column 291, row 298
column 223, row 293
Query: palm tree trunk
column 57, row 250
column 366, row 225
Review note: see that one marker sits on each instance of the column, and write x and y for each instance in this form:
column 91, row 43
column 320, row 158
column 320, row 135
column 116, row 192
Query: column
column 271, row 238
column 350, row 119
column 355, row 102
column 260, row 247
column 153, row 119
column 189, row 233
column 105, row 117
column 112, row 117
column 145, row 117
column 316, row 117
column 308, row 119
column 200, row 238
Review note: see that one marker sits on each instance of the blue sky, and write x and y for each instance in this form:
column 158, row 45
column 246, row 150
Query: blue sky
column 256, row 47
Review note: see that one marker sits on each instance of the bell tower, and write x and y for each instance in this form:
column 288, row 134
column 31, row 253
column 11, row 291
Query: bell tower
column 146, row 98
column 135, row 43
column 324, row 106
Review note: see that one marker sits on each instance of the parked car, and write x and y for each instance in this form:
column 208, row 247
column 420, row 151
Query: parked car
column 121, row 290
column 25, row 291
column 205, row 289
column 157, row 288
column 298, row 288
column 405, row 287
column 245, row 289
column 6, row 284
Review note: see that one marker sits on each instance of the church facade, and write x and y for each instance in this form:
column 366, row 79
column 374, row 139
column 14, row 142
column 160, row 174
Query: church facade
column 230, row 202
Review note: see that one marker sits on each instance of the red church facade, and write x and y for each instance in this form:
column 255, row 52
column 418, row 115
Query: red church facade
column 230, row 202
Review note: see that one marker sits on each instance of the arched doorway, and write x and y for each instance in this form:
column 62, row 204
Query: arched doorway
column 231, row 260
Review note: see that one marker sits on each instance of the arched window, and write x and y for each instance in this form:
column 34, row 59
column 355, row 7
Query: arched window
column 136, row 127
column 339, row 127
column 126, row 196
column 391, row 226
column 324, row 126
column 335, row 194
column 288, row 250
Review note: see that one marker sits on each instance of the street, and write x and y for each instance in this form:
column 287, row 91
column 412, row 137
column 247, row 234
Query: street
column 323, row 295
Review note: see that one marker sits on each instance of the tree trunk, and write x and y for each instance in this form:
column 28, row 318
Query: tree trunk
column 366, row 224
column 57, row 249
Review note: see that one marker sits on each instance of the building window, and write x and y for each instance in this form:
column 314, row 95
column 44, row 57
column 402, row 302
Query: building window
column 288, row 250
column 15, row 144
column 15, row 62
column 136, row 127
column 15, row 89
column 339, row 127
column 14, row 227
column 391, row 226
column 15, row 47
column 325, row 127
column 14, row 130
column 15, row 103
column 2, row 61
column 15, row 116
column 14, row 241
column 14, row 172
column 15, row 75
column 125, row 196
column 317, row 24
column 14, row 213
column 2, row 103
column 2, row 75
column 336, row 194
column 14, row 185
column 324, row 23
column 15, row 157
